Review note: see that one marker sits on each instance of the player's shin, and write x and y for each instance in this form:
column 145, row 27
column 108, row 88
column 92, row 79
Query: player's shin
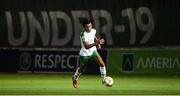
column 77, row 74
column 103, row 72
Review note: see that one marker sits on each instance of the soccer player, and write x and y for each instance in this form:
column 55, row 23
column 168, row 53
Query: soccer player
column 89, row 44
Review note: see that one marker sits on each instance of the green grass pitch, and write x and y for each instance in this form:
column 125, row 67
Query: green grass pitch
column 58, row 84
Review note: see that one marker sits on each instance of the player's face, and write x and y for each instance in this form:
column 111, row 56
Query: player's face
column 88, row 27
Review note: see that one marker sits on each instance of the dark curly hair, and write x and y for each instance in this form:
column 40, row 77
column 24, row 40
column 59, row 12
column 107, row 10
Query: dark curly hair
column 87, row 21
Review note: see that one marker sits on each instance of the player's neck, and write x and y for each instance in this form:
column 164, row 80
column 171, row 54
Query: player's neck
column 88, row 31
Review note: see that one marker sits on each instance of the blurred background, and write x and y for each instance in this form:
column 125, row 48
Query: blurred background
column 43, row 35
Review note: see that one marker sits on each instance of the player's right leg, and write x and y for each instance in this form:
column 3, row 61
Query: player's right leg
column 75, row 78
column 80, row 70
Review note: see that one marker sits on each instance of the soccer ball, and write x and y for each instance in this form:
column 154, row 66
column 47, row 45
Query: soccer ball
column 108, row 81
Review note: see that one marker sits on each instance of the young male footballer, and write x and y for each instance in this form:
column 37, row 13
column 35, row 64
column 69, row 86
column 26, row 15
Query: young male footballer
column 89, row 44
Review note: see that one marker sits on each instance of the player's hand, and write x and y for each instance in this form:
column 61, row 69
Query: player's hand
column 99, row 46
column 99, row 41
column 102, row 41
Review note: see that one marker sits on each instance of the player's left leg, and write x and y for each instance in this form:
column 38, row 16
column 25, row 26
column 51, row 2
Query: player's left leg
column 101, row 63
column 102, row 67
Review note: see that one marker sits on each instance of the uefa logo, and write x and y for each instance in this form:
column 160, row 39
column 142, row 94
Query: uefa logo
column 25, row 61
column 127, row 62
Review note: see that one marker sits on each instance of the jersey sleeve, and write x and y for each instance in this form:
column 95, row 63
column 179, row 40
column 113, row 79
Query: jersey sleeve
column 94, row 30
column 82, row 37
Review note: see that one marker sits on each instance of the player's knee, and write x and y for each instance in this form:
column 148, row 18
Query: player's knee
column 82, row 68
